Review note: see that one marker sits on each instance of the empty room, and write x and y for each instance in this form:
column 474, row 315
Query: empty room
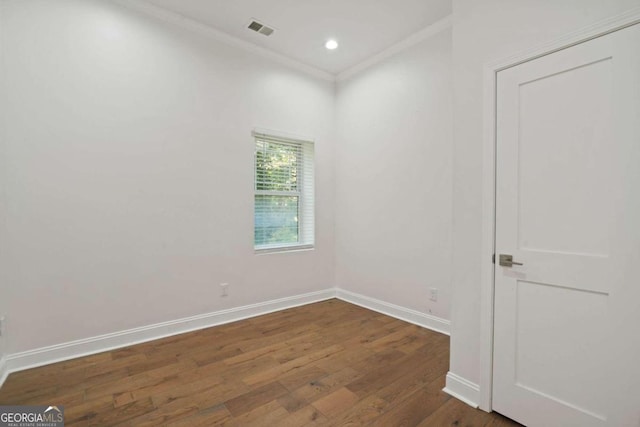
column 320, row 213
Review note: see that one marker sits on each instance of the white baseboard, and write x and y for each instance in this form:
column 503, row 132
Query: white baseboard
column 462, row 389
column 4, row 372
column 408, row 315
column 84, row 347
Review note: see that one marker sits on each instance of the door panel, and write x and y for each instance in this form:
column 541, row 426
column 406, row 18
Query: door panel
column 564, row 119
column 565, row 336
column 567, row 136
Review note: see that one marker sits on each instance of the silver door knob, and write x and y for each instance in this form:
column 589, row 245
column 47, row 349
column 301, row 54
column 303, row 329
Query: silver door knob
column 507, row 261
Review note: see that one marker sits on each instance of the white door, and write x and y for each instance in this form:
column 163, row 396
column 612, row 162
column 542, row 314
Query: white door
column 567, row 321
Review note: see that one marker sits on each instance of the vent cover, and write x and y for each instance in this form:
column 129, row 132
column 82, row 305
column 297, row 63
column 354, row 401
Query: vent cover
column 260, row 28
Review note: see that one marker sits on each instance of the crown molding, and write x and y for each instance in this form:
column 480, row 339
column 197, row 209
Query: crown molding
column 433, row 29
column 212, row 33
column 205, row 30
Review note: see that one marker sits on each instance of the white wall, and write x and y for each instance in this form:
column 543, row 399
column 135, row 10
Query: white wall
column 128, row 171
column 483, row 32
column 393, row 175
column 125, row 186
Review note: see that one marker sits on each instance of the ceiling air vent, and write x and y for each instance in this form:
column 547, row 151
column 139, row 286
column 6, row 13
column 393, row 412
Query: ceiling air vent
column 260, row 28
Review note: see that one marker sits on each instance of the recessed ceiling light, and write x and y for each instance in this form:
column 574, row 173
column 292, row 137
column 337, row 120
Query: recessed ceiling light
column 331, row 44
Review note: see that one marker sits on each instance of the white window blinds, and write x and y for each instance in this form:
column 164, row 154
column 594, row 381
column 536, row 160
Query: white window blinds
column 284, row 199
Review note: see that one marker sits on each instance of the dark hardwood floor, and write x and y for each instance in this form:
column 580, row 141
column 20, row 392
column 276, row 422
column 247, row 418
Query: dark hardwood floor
column 324, row 364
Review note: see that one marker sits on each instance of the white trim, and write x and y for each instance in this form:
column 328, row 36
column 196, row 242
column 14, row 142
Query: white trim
column 258, row 132
column 4, row 371
column 462, row 389
column 433, row 29
column 210, row 32
column 488, row 244
column 84, row 347
column 283, row 248
column 88, row 346
column 428, row 321
column 573, row 38
column 489, row 182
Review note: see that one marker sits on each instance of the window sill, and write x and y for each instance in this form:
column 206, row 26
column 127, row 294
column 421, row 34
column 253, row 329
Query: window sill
column 280, row 249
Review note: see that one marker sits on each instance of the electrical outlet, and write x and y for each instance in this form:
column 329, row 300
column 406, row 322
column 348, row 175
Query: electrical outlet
column 433, row 294
column 224, row 287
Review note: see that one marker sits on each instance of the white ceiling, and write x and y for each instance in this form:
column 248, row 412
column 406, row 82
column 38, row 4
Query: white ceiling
column 362, row 27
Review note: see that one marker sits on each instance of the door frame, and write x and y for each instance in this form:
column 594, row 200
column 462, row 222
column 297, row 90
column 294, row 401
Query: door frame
column 489, row 151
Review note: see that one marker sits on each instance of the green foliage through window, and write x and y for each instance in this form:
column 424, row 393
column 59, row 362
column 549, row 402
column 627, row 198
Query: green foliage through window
column 276, row 219
column 277, row 166
column 278, row 170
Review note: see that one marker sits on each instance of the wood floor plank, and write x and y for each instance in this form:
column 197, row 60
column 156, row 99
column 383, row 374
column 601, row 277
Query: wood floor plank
column 121, row 399
column 336, row 403
column 412, row 409
column 255, row 398
column 300, row 377
column 364, row 412
column 172, row 411
column 381, row 375
column 217, row 415
column 260, row 416
column 321, row 387
column 204, row 392
column 239, row 370
column 292, row 403
column 324, row 364
column 307, row 416
column 449, row 414
column 88, row 410
column 247, row 356
column 424, row 376
column 291, row 367
column 124, row 413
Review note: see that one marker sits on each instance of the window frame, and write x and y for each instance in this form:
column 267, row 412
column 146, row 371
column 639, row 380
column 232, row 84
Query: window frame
column 305, row 147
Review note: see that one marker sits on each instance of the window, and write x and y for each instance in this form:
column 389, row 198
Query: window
column 283, row 202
